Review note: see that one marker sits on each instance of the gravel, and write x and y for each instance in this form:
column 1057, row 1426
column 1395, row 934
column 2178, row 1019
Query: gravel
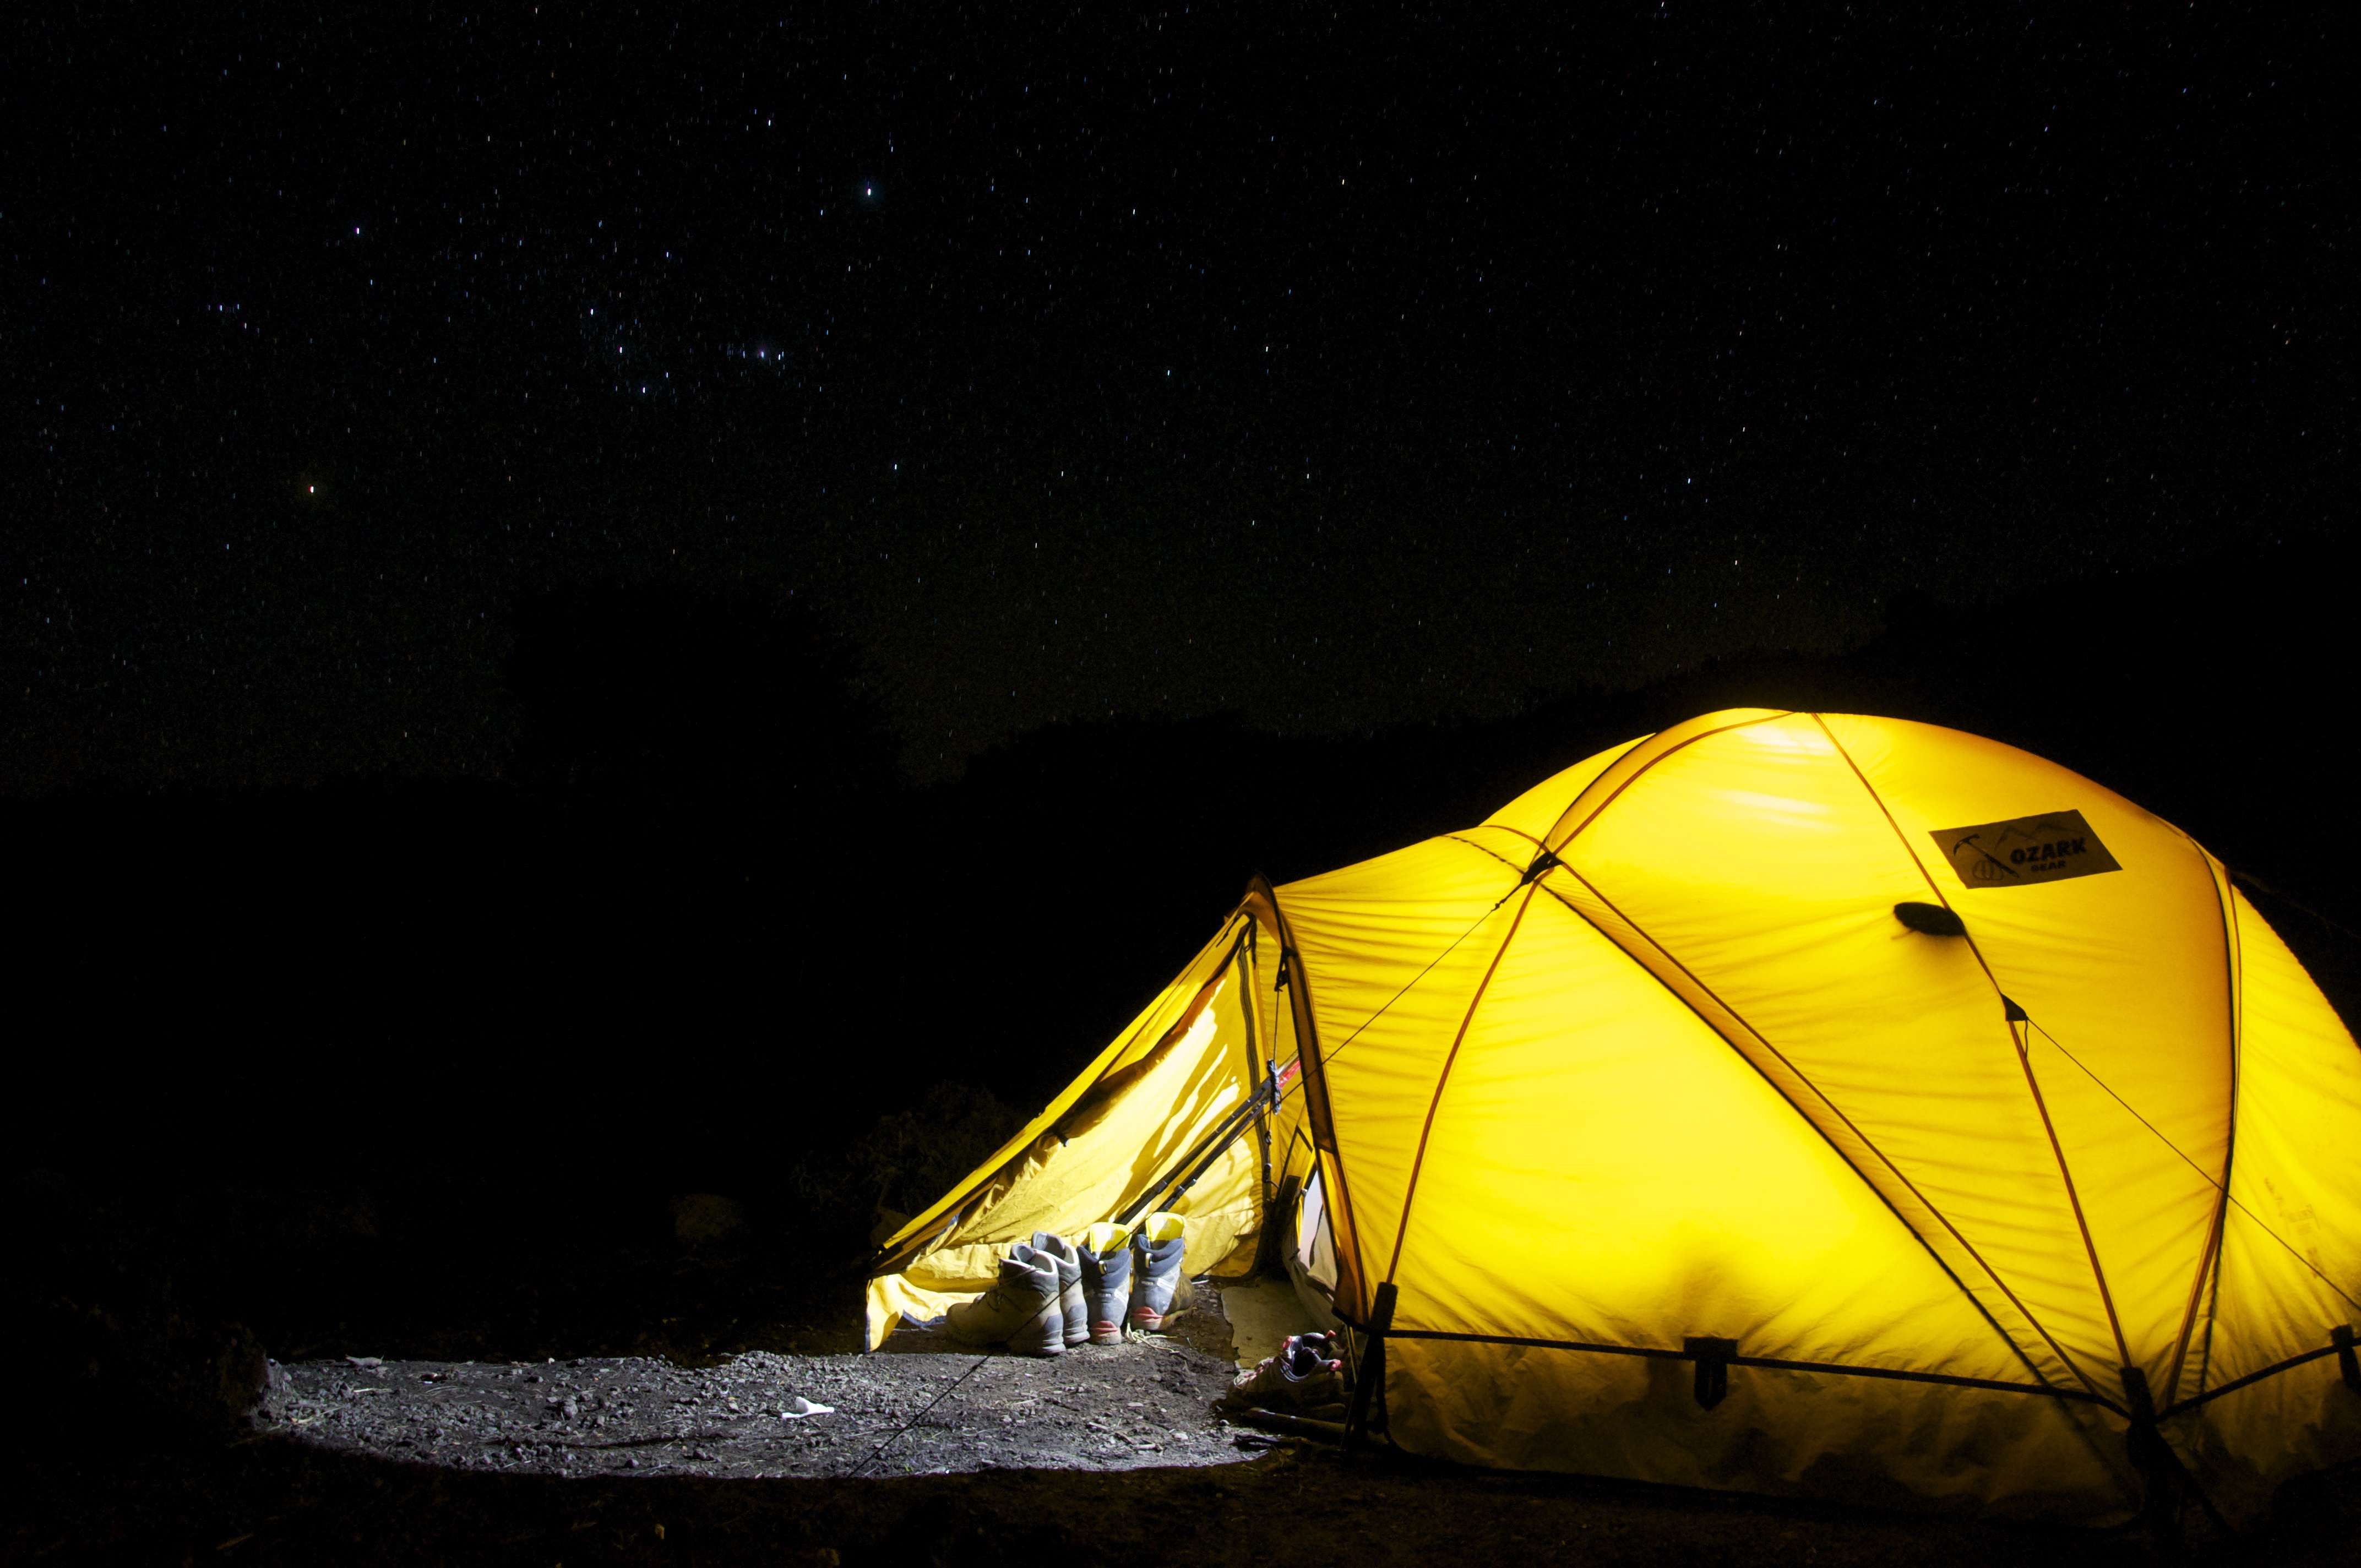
column 927, row 1409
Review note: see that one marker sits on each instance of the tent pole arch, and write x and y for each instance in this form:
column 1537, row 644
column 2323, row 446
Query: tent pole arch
column 1352, row 1293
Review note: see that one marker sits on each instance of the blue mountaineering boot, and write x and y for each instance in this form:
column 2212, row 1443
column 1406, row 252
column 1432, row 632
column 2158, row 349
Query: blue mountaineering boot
column 1106, row 1280
column 1156, row 1250
column 1021, row 1310
column 1061, row 1252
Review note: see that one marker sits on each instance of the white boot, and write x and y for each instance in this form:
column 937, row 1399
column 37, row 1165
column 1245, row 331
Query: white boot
column 1106, row 1281
column 1156, row 1251
column 1061, row 1252
column 1022, row 1309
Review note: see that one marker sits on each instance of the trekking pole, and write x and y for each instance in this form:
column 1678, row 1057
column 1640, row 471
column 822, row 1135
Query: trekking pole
column 1213, row 1142
column 1199, row 1160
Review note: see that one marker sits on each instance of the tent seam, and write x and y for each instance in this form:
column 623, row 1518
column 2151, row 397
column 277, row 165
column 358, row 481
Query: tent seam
column 2073, row 1195
column 2048, row 1390
column 1345, row 1044
column 2235, row 975
column 2024, row 1059
column 1417, row 1161
column 1342, row 1228
column 1986, row 1313
column 1642, row 772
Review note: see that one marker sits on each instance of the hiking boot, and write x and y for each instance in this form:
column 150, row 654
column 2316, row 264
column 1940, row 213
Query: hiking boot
column 1301, row 1380
column 1021, row 1310
column 1070, row 1283
column 1156, row 1250
column 1106, row 1253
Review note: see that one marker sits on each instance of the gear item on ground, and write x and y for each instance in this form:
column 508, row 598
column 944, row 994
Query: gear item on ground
column 1070, row 1306
column 1301, row 1379
column 1156, row 1249
column 1105, row 1252
column 1021, row 1310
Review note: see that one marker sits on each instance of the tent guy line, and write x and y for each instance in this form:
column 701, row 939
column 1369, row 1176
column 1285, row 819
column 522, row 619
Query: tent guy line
column 899, row 1432
column 2260, row 1223
column 2066, row 1359
column 2032, row 1084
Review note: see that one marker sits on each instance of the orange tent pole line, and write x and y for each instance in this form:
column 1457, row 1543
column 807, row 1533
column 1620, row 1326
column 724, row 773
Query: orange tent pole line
column 2005, row 1337
column 2233, row 962
column 2074, row 1198
column 1417, row 1161
column 2024, row 1062
column 1912, row 1188
column 1350, row 1276
column 1637, row 773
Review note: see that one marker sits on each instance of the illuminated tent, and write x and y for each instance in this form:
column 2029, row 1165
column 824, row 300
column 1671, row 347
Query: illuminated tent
column 1792, row 1103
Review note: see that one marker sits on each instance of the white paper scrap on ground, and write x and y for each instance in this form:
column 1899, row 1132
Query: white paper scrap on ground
column 805, row 1407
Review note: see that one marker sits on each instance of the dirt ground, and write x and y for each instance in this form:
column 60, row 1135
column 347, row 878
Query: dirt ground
column 1147, row 1402
column 932, row 1453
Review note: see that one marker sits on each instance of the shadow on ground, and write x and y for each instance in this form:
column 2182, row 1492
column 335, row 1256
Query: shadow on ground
column 275, row 1501
column 927, row 1455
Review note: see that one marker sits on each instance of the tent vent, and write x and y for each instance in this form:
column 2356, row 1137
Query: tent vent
column 2346, row 1362
column 1546, row 863
column 1929, row 919
column 1713, row 1357
column 2012, row 1012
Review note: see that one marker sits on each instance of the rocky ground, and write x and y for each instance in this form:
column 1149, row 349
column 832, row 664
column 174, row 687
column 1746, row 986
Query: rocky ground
column 931, row 1453
column 1147, row 1402
column 276, row 1500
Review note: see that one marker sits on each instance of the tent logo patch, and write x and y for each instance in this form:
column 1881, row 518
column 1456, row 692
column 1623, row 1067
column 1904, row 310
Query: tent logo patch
column 2025, row 851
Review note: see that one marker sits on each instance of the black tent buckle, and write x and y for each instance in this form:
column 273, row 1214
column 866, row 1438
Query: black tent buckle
column 1713, row 1357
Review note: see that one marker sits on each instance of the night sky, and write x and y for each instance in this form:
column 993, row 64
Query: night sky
column 1340, row 372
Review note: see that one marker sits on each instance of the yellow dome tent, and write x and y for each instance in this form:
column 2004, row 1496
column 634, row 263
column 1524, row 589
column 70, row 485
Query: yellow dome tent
column 1792, row 1103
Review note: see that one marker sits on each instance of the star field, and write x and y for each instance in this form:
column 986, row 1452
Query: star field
column 1340, row 373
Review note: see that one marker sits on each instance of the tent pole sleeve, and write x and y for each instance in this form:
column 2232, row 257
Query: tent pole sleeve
column 1352, row 1296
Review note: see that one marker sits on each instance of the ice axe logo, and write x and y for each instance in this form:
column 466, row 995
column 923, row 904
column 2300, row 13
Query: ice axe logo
column 1982, row 864
column 2025, row 851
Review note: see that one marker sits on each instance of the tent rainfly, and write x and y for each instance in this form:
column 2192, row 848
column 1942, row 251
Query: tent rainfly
column 1791, row 1103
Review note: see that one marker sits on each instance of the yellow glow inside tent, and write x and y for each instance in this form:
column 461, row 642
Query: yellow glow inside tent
column 1646, row 1064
